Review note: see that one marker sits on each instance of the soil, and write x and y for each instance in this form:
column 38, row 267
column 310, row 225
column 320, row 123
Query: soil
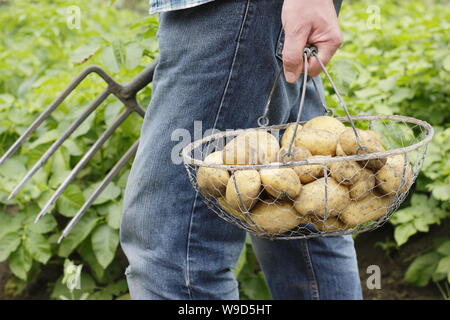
column 4, row 275
column 394, row 262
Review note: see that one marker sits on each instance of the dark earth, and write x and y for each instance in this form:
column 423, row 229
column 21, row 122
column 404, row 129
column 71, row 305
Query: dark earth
column 394, row 262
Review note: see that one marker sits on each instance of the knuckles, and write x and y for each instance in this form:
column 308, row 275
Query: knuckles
column 298, row 29
column 336, row 39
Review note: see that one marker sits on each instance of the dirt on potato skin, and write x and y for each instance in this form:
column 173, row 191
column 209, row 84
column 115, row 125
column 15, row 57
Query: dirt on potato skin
column 394, row 262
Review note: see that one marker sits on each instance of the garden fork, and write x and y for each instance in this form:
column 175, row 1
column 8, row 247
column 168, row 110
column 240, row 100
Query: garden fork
column 126, row 94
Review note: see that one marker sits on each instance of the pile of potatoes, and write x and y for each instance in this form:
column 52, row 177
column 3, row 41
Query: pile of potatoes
column 340, row 195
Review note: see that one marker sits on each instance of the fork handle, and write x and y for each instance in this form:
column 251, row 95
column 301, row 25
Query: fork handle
column 141, row 80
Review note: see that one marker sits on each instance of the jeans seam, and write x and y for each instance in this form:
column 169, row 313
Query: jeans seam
column 244, row 19
column 188, row 242
column 241, row 30
column 222, row 100
column 314, row 285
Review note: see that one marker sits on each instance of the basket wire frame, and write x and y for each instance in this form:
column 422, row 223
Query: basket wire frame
column 273, row 213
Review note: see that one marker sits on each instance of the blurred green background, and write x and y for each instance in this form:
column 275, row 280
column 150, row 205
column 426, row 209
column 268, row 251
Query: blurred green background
column 395, row 60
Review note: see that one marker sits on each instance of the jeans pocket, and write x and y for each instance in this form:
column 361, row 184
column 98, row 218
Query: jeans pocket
column 279, row 45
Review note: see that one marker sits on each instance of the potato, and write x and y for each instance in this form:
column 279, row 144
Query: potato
column 276, row 217
column 309, row 172
column 325, row 123
column 306, row 173
column 248, row 184
column 339, row 151
column 332, row 224
column 363, row 186
column 375, row 135
column 288, row 133
column 226, row 206
column 390, row 177
column 345, row 172
column 252, row 147
column 374, row 164
column 212, row 182
column 280, row 182
column 347, row 140
column 297, row 154
column 311, row 199
column 319, row 142
column 370, row 208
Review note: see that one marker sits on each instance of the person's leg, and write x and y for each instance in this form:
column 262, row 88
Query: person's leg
column 217, row 64
column 318, row 268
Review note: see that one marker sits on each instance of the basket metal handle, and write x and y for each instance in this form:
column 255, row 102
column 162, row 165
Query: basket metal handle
column 311, row 51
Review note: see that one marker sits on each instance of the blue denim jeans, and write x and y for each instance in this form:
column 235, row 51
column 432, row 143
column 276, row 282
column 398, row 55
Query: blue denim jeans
column 217, row 64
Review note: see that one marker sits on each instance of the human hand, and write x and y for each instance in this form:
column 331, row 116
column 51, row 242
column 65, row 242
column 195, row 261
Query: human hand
column 312, row 22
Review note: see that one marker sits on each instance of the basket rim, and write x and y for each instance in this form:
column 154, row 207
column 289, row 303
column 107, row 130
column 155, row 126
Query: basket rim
column 321, row 160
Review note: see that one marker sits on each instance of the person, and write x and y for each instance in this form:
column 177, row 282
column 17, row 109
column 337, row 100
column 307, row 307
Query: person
column 217, row 62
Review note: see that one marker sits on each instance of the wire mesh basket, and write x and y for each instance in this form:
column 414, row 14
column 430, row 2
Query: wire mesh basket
column 324, row 177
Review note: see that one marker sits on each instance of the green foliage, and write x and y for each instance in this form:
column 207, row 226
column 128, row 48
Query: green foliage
column 252, row 284
column 434, row 265
column 88, row 290
column 76, row 285
column 104, row 242
column 40, row 53
column 422, row 212
column 23, row 241
column 402, row 66
column 399, row 66
column 436, row 167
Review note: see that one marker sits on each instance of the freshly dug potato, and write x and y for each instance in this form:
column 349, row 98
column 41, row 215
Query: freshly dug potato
column 390, row 177
column 276, row 217
column 309, row 172
column 252, row 147
column 374, row 164
column 226, row 206
column 288, row 133
column 339, row 151
column 363, row 186
column 370, row 208
column 347, row 140
column 281, row 182
column 319, row 142
column 332, row 224
column 375, row 135
column 345, row 172
column 212, row 182
column 311, row 199
column 297, row 154
column 325, row 123
column 248, row 184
